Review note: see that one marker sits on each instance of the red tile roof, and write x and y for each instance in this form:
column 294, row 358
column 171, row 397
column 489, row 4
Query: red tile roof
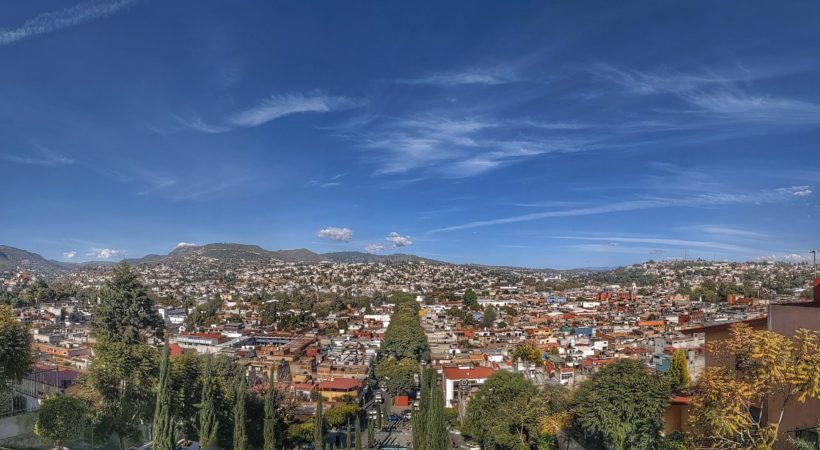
column 339, row 384
column 478, row 373
column 175, row 349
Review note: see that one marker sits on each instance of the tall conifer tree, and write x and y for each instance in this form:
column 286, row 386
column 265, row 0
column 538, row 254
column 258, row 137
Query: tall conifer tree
column 271, row 416
column 419, row 421
column 163, row 427
column 436, row 423
column 358, row 433
column 318, row 423
column 207, row 408
column 240, row 437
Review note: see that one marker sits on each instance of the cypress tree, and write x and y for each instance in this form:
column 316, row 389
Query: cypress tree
column 271, row 416
column 240, row 438
column 678, row 372
column 358, row 433
column 207, row 408
column 371, row 433
column 318, row 423
column 348, row 437
column 419, row 421
column 436, row 425
column 163, row 427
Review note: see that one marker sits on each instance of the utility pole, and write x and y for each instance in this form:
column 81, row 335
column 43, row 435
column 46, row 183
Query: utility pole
column 814, row 259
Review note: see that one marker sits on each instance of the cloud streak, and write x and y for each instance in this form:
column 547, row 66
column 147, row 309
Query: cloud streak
column 449, row 147
column 272, row 108
column 42, row 157
column 64, row 18
column 702, row 200
column 278, row 106
column 474, row 76
column 666, row 242
column 720, row 95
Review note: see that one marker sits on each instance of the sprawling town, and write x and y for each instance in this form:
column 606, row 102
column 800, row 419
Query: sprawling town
column 323, row 330
column 394, row 225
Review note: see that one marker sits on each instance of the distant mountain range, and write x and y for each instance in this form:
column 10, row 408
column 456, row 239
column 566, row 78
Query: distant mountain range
column 13, row 258
column 245, row 252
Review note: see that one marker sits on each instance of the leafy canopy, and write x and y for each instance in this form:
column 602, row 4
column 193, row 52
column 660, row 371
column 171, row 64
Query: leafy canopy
column 125, row 312
column 622, row 406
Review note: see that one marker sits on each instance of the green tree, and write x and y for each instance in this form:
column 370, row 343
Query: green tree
column 162, row 431
column 300, row 433
column 125, row 312
column 678, row 373
column 186, row 382
column 509, row 412
column 404, row 337
column 622, row 406
column 318, row 424
column 524, row 351
column 489, row 317
column 358, row 434
column 240, row 438
column 371, row 434
column 207, row 407
column 340, row 414
column 62, row 419
column 16, row 357
column 470, row 299
column 398, row 377
column 271, row 417
column 120, row 384
column 226, row 373
column 419, row 419
column 436, row 427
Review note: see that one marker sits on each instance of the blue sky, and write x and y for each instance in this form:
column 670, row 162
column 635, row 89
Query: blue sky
column 561, row 135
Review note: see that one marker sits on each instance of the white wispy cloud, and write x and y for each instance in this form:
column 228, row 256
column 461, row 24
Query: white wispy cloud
column 787, row 257
column 450, row 147
column 702, row 200
column 373, row 248
column 269, row 109
column 277, row 106
column 64, row 18
column 185, row 244
column 745, row 106
column 336, row 234
column 662, row 82
column 797, row 191
column 41, row 156
column 398, row 240
column 69, row 254
column 730, row 231
column 103, row 253
column 477, row 76
column 709, row 245
column 724, row 95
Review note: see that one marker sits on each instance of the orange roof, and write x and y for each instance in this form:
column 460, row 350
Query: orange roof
column 339, row 384
column 478, row 373
column 175, row 349
column 679, row 400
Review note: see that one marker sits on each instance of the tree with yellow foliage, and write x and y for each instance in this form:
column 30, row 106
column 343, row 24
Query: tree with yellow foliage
column 764, row 370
